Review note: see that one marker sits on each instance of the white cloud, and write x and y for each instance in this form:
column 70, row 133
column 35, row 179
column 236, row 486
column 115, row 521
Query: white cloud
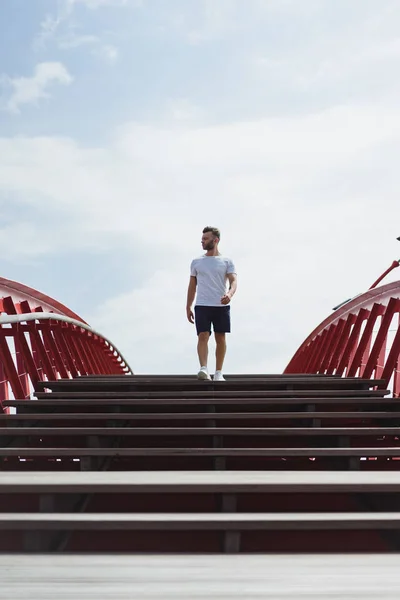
column 208, row 20
column 108, row 52
column 353, row 56
column 28, row 90
column 57, row 26
column 217, row 19
column 34, row 243
column 51, row 24
column 182, row 109
column 322, row 61
column 287, row 194
column 95, row 4
column 73, row 40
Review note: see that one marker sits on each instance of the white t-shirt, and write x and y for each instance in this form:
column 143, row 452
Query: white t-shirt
column 211, row 273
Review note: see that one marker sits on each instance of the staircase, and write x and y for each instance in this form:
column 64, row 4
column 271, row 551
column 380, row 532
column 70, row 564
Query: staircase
column 293, row 463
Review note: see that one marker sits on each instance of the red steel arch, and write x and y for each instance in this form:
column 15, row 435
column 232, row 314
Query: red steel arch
column 42, row 340
column 362, row 338
column 19, row 292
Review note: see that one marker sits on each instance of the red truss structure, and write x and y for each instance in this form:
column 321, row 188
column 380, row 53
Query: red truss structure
column 361, row 338
column 41, row 339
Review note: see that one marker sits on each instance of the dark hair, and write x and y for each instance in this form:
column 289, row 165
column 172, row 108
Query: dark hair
column 214, row 230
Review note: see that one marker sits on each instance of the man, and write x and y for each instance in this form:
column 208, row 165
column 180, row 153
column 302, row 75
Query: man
column 209, row 275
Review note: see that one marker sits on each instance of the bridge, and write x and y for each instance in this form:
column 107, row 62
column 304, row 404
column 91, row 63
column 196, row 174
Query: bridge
column 103, row 468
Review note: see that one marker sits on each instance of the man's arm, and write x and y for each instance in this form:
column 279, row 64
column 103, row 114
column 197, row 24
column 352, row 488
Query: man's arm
column 232, row 278
column 190, row 298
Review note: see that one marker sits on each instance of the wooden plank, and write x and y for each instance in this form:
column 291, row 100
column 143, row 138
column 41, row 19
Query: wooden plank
column 25, row 452
column 172, row 416
column 160, row 378
column 227, row 482
column 199, row 431
column 200, row 577
column 217, row 393
column 127, row 383
column 53, row 404
column 199, row 521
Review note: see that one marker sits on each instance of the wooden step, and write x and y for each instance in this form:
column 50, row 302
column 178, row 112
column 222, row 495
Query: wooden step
column 198, row 521
column 25, row 452
column 52, row 403
column 129, row 383
column 333, row 397
column 190, row 482
column 24, row 419
column 199, row 431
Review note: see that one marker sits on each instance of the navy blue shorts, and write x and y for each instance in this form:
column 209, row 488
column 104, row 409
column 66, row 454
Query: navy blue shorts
column 217, row 316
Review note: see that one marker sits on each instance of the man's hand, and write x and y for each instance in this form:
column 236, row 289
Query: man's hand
column 190, row 298
column 232, row 288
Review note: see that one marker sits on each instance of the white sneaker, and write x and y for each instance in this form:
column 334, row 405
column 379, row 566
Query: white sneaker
column 203, row 374
column 218, row 376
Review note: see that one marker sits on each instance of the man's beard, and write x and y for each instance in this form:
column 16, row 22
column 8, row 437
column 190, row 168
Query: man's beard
column 210, row 246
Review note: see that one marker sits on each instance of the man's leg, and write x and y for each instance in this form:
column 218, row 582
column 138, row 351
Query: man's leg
column 222, row 326
column 202, row 348
column 220, row 351
column 203, row 327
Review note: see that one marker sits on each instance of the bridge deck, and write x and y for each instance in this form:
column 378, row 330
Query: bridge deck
column 200, row 577
column 171, row 464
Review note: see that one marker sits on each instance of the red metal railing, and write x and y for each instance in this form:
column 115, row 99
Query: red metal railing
column 362, row 338
column 39, row 346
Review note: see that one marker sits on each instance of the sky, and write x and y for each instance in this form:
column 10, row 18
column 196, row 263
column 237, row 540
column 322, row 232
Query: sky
column 126, row 126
